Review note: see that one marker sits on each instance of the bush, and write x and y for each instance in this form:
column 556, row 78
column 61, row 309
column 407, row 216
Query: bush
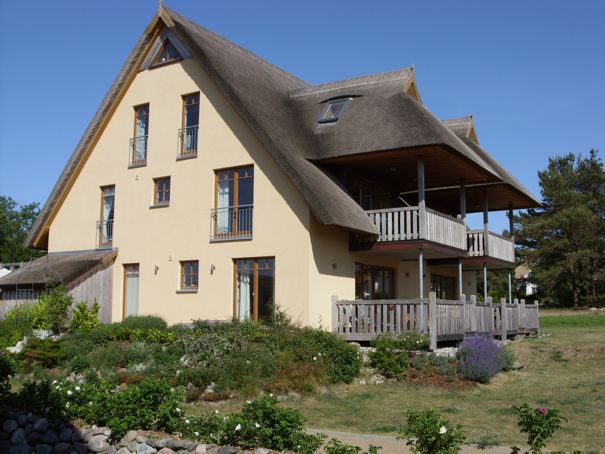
column 261, row 423
column 539, row 424
column 20, row 317
column 508, row 358
column 335, row 446
column 45, row 352
column 389, row 358
column 479, row 359
column 10, row 333
column 51, row 310
column 413, row 340
column 7, row 369
column 430, row 433
column 85, row 319
column 143, row 322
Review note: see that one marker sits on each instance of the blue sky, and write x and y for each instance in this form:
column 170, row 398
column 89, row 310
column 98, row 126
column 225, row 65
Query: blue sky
column 532, row 73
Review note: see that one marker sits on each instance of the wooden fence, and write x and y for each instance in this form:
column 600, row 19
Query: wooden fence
column 363, row 320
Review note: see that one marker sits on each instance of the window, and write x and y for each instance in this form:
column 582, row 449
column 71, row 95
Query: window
column 374, row 282
column 443, row 286
column 333, row 110
column 254, row 296
column 105, row 223
column 166, row 54
column 234, row 195
column 138, row 143
column 131, row 290
column 189, row 275
column 190, row 121
column 161, row 191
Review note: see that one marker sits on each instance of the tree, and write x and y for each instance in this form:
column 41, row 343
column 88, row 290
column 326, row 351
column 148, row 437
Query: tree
column 15, row 222
column 563, row 242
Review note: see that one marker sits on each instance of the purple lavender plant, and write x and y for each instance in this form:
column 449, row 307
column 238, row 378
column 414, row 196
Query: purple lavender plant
column 480, row 359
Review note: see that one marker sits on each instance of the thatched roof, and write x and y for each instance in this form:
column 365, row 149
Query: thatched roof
column 60, row 268
column 283, row 112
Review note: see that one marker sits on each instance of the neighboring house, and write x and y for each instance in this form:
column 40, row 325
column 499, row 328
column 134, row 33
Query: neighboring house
column 211, row 184
column 523, row 273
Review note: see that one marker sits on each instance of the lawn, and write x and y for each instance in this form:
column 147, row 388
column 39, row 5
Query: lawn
column 565, row 368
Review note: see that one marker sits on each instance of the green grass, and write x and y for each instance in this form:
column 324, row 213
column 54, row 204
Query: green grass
column 565, row 368
column 581, row 320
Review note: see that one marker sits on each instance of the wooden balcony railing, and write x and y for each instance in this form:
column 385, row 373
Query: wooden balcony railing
column 231, row 223
column 497, row 246
column 104, row 234
column 411, row 223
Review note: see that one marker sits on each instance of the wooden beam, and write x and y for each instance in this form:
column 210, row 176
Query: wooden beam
column 421, row 200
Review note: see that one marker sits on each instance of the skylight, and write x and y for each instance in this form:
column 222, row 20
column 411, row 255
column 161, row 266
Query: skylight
column 333, row 110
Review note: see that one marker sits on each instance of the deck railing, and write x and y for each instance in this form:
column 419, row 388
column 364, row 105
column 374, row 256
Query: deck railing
column 406, row 223
column 498, row 246
column 187, row 142
column 137, row 151
column 104, row 233
column 231, row 223
column 362, row 320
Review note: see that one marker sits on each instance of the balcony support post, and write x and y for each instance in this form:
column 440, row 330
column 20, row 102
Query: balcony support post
column 460, row 292
column 485, row 225
column 421, row 201
column 510, row 287
column 511, row 226
column 484, row 281
column 463, row 203
column 420, row 274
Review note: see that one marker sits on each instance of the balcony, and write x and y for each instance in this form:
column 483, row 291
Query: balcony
column 497, row 246
column 104, row 234
column 231, row 223
column 137, row 152
column 409, row 223
column 187, row 142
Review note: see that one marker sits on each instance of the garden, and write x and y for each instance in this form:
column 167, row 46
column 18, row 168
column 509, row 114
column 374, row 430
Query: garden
column 240, row 384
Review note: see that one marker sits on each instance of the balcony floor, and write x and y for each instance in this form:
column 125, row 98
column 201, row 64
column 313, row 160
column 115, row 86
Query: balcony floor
column 408, row 250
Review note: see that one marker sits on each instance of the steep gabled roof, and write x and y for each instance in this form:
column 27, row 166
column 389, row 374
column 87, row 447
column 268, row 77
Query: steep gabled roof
column 463, row 127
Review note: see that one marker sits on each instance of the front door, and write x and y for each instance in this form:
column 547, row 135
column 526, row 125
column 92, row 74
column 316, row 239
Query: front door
column 131, row 289
column 254, row 288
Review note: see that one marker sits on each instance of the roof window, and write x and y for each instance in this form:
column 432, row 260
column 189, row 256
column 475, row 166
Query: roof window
column 166, row 53
column 333, row 110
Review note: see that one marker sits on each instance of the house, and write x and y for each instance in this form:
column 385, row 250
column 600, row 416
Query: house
column 211, row 184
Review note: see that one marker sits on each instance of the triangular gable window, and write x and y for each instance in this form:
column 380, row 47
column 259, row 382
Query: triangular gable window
column 166, row 53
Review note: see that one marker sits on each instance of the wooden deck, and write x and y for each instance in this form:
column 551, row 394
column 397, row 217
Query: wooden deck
column 444, row 320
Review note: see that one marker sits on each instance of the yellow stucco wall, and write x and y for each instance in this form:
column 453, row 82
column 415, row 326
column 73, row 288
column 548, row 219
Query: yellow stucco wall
column 159, row 238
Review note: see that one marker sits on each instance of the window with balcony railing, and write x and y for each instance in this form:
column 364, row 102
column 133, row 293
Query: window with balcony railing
column 104, row 230
column 138, row 143
column 187, row 135
column 231, row 218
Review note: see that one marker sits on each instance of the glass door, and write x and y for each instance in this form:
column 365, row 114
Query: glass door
column 131, row 289
column 234, row 202
column 105, row 228
column 254, row 289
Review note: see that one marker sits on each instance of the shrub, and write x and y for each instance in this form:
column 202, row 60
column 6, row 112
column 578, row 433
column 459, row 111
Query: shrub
column 539, row 424
column 51, row 310
column 413, row 340
column 508, row 358
column 78, row 364
column 335, row 446
column 479, row 359
column 261, row 423
column 7, row 369
column 430, row 433
column 10, row 333
column 419, row 361
column 21, row 317
column 339, row 360
column 85, row 319
column 389, row 357
column 45, row 352
column 143, row 322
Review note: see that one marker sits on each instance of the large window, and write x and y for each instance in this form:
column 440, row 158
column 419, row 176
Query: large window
column 254, row 297
column 234, row 196
column 161, row 191
column 166, row 54
column 105, row 223
column 443, row 286
column 374, row 282
column 189, row 275
column 188, row 132
column 138, row 143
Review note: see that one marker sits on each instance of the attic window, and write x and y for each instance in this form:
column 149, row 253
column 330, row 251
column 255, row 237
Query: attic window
column 333, row 110
column 166, row 54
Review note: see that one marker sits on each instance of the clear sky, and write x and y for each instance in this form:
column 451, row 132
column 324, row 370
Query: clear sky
column 531, row 72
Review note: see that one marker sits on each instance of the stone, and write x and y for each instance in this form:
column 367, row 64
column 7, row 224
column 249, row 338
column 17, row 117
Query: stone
column 81, row 448
column 20, row 449
column 150, row 442
column 201, row 449
column 130, row 436
column 123, row 450
column 165, row 451
column 111, row 450
column 65, row 434
column 22, row 420
column 5, row 446
column 34, row 438
column 98, row 443
column 175, row 444
column 212, row 449
column 262, row 451
column 132, row 446
column 31, row 417
column 144, row 448
column 41, row 425
column 44, row 449
column 29, row 428
column 190, row 445
column 226, row 450
column 107, row 433
column 86, row 435
column 10, row 425
column 141, row 438
column 4, row 435
column 99, row 431
column 51, row 437
column 159, row 444
column 62, row 448
column 18, row 436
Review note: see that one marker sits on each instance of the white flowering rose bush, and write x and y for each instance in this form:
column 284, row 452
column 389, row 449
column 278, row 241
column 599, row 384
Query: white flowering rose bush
column 427, row 432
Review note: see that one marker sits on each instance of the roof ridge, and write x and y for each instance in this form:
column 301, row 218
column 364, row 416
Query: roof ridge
column 358, row 81
column 237, row 48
